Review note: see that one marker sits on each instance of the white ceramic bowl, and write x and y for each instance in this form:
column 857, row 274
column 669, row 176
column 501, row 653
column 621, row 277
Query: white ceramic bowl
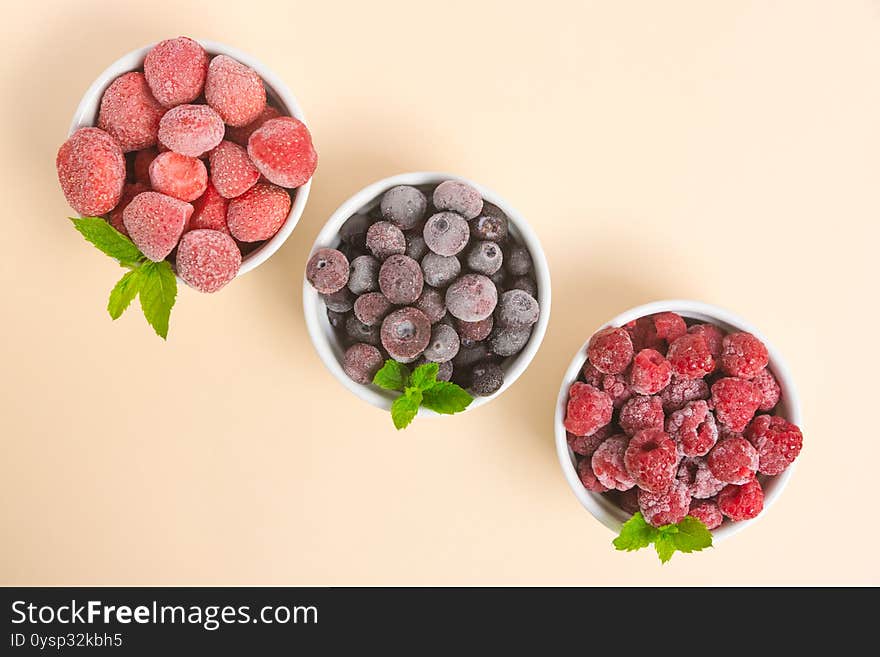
column 601, row 506
column 323, row 336
column 86, row 115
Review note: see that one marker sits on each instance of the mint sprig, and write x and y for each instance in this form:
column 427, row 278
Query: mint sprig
column 689, row 535
column 419, row 388
column 154, row 282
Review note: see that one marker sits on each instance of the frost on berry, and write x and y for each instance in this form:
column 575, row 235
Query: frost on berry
column 608, row 464
column 651, row 458
column 769, row 387
column 666, row 508
column 735, row 402
column 690, row 357
column 588, row 409
column 743, row 355
column 707, row 512
column 650, row 372
column 586, row 445
column 610, row 350
column 777, row 441
column 681, row 391
column 641, row 412
column 693, row 428
column 733, row 461
column 588, row 478
column 741, row 502
column 696, row 475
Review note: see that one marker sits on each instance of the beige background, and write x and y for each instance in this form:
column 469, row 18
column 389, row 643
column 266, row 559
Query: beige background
column 721, row 151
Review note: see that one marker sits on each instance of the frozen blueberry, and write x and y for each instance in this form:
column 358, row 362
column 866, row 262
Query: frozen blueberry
column 446, row 233
column 444, row 344
column 340, row 301
column 405, row 333
column 361, row 362
column 485, row 258
column 444, row 373
column 337, row 320
column 458, row 197
column 415, row 246
column 471, row 298
column 357, row 331
column 517, row 309
column 363, row 274
column 499, row 277
column 385, row 239
column 440, row 271
column 432, row 303
column 524, row 283
column 400, row 279
column 518, row 261
column 487, row 378
column 467, row 357
column 509, row 341
column 491, row 225
column 354, row 231
column 403, row 206
column 327, row 270
column 371, row 308
column 475, row 331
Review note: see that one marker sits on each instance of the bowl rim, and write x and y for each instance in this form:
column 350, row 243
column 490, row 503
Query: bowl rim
column 316, row 317
column 86, row 113
column 598, row 505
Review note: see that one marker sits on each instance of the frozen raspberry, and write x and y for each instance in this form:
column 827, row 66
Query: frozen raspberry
column 384, row 239
column 458, row 197
column 713, row 336
column 690, row 357
column 232, row 171
column 735, row 402
column 669, row 326
column 644, row 335
column 440, row 271
column 283, row 152
column 400, row 279
column 485, row 258
column 191, row 129
column 405, row 333
column 693, row 428
column 258, row 213
column 777, row 441
column 769, row 387
column 666, row 508
column 207, row 259
column 507, row 342
column 518, row 260
column 431, row 303
column 650, row 372
column 155, row 223
column 588, row 409
column 175, row 69
column 475, row 331
column 472, row 298
column 641, row 412
column 491, row 225
column 242, row 134
column 177, row 175
column 404, row 206
column 517, row 309
column 608, row 465
column 617, row 387
column 91, row 170
column 707, row 512
column 371, row 308
column 142, row 161
column 209, row 211
column 733, row 461
column 129, row 113
column 681, row 391
column 651, row 460
column 326, row 270
column 444, row 346
column 628, row 500
column 234, row 91
column 361, row 362
column 129, row 191
column 446, row 233
column 741, row 502
column 610, row 350
column 743, row 355
column 696, row 475
column 586, row 445
column 588, row 479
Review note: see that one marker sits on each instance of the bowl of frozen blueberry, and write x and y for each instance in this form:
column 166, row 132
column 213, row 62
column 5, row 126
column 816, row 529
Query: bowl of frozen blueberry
column 677, row 410
column 427, row 268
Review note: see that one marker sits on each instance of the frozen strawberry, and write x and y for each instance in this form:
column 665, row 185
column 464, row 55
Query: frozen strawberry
column 650, row 372
column 155, row 222
column 209, row 211
column 735, row 402
column 610, row 350
column 177, row 175
column 283, row 152
column 234, row 91
column 693, row 428
column 91, row 170
column 588, row 409
column 242, row 134
column 191, row 130
column 743, row 355
column 142, row 161
column 681, row 391
column 588, row 478
column 232, row 171
column 707, row 512
column 258, row 213
column 667, row 507
column 207, row 259
column 769, row 387
column 777, row 441
column 175, row 69
column 129, row 191
column 690, row 357
column 733, row 461
column 741, row 502
column 696, row 475
column 641, row 412
column 651, row 459
column 129, row 113
column 608, row 466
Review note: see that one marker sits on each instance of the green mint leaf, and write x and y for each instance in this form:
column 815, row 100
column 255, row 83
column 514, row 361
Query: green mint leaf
column 692, row 535
column 635, row 534
column 392, row 376
column 406, row 407
column 109, row 240
column 446, row 398
column 158, row 291
column 424, row 376
column 665, row 546
column 123, row 293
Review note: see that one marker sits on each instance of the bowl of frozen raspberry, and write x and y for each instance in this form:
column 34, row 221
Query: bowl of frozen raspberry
column 426, row 293
column 677, row 418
